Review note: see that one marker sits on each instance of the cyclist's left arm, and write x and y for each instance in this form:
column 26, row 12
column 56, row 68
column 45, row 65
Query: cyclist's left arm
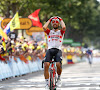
column 62, row 24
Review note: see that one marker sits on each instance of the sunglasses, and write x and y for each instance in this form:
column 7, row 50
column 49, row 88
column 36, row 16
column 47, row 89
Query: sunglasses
column 55, row 21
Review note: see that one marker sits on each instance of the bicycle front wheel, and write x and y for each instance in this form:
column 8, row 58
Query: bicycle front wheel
column 51, row 80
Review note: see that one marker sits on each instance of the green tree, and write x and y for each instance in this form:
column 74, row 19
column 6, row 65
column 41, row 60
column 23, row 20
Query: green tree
column 82, row 17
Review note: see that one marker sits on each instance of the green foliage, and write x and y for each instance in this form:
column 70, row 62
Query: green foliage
column 82, row 17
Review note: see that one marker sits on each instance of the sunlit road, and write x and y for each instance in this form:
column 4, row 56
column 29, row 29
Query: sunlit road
column 79, row 76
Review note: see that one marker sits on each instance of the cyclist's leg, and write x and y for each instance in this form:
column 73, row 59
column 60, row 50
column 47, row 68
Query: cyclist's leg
column 46, row 70
column 90, row 59
column 46, row 66
column 59, row 67
column 58, row 60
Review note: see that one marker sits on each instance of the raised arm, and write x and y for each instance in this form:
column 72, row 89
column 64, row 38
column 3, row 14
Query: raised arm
column 62, row 24
column 46, row 25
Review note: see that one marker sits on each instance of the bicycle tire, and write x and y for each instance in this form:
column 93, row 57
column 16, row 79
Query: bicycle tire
column 55, row 80
column 51, row 80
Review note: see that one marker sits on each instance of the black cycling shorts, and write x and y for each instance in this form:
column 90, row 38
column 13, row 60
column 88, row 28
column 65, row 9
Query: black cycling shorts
column 53, row 53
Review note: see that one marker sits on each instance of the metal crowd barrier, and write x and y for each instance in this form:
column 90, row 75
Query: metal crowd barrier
column 13, row 68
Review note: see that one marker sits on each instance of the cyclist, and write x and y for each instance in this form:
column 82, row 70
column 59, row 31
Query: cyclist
column 55, row 39
column 89, row 56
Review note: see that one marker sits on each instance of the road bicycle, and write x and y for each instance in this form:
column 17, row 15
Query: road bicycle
column 53, row 77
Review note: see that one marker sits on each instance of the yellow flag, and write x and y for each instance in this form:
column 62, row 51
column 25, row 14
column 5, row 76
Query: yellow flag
column 3, row 34
column 14, row 23
column 4, row 45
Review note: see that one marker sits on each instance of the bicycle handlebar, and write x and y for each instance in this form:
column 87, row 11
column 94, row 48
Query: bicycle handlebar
column 42, row 63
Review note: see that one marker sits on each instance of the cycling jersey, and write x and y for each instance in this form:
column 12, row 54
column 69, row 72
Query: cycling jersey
column 55, row 39
column 89, row 52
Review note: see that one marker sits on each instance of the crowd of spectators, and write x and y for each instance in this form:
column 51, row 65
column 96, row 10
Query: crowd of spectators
column 23, row 48
column 71, row 53
column 29, row 49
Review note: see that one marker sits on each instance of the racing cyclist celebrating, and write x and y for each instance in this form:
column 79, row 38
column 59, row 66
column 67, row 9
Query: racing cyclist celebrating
column 55, row 39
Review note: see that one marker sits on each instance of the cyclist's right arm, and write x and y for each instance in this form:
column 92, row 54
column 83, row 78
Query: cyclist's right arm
column 46, row 25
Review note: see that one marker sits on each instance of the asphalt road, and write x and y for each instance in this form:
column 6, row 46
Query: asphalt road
column 78, row 76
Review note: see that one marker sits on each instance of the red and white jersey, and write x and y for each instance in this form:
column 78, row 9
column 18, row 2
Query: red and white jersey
column 55, row 39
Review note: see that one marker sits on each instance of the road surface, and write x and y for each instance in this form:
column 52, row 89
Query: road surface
column 79, row 76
